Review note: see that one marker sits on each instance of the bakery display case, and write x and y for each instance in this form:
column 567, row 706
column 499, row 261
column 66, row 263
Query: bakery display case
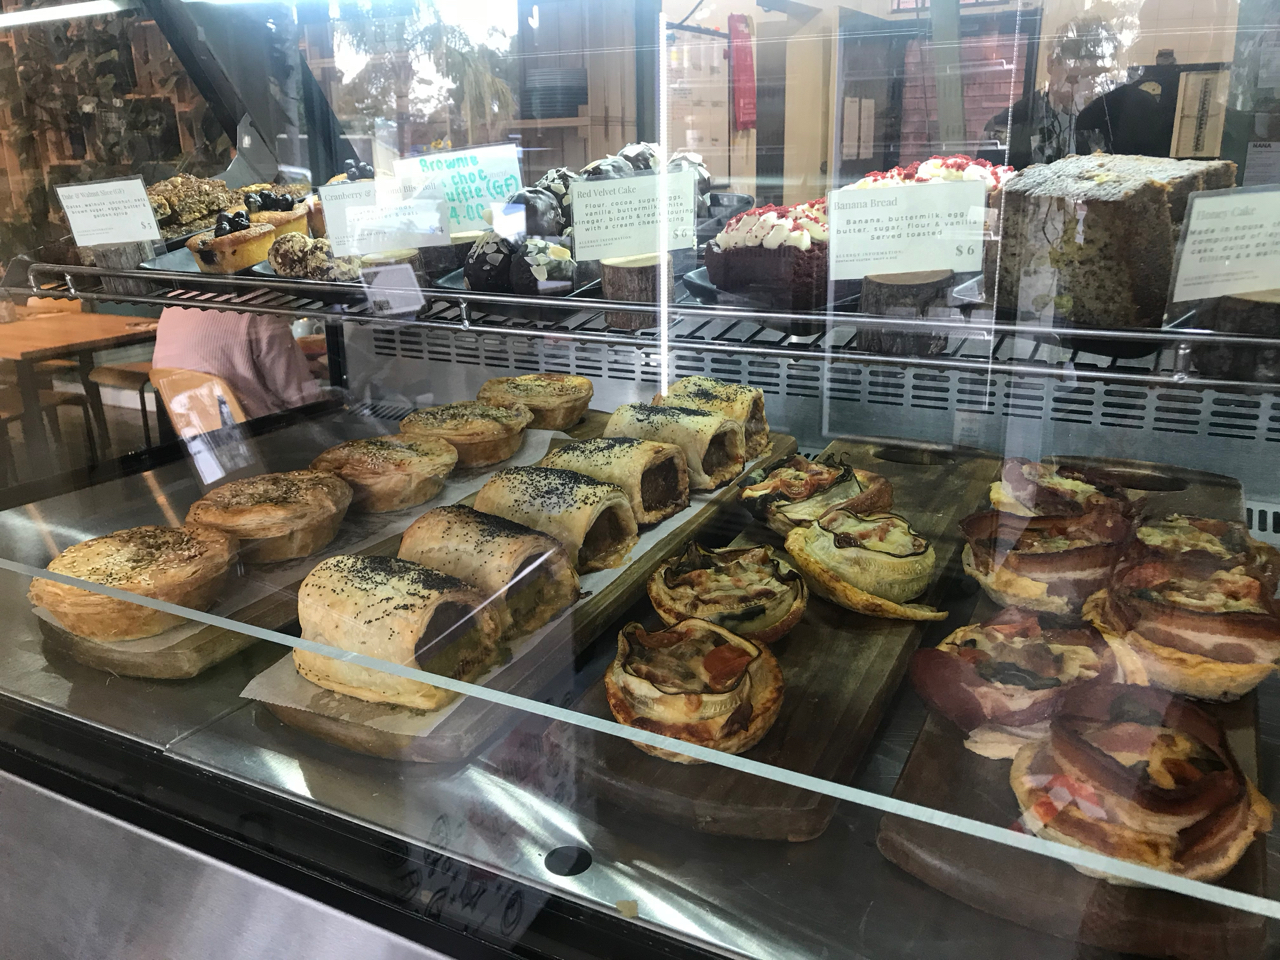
column 717, row 480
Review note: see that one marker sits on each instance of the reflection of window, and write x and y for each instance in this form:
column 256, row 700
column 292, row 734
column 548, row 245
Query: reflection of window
column 90, row 98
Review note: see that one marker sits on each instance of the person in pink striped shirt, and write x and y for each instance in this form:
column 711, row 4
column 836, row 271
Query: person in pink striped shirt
column 254, row 353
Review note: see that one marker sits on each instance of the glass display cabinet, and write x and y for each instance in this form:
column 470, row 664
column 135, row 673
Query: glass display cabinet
column 633, row 479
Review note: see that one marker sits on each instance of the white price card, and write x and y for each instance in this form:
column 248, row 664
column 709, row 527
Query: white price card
column 932, row 226
column 1262, row 163
column 1230, row 244
column 108, row 211
column 392, row 289
column 374, row 216
column 622, row 218
column 470, row 181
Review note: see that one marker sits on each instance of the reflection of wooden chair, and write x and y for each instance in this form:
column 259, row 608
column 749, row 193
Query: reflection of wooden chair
column 197, row 402
column 50, row 402
column 128, row 376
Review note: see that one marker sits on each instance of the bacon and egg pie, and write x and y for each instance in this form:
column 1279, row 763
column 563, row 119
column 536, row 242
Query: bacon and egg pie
column 1190, row 628
column 1000, row 681
column 1140, row 775
column 1051, row 564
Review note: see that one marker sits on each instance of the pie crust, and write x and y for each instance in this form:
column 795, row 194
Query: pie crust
column 283, row 221
column 797, row 491
column 183, row 565
column 1178, row 671
column 277, row 516
column 482, row 433
column 557, row 400
column 751, row 591
column 526, row 576
column 863, row 580
column 639, row 703
column 390, row 473
column 387, row 608
column 232, row 252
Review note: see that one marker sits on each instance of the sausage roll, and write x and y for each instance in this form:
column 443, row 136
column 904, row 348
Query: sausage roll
column 1047, row 490
column 1220, row 544
column 526, row 576
column 712, row 443
column 1139, row 775
column 396, row 611
column 277, row 516
column 653, row 475
column 733, row 400
column 183, row 565
column 749, row 590
column 390, row 473
column 557, row 400
column 482, row 433
column 871, row 564
column 1195, row 630
column 591, row 518
column 696, row 682
column 795, row 492
column 1050, row 564
column 1002, row 680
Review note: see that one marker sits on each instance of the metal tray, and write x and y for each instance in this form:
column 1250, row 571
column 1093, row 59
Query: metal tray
column 326, row 291
column 592, row 290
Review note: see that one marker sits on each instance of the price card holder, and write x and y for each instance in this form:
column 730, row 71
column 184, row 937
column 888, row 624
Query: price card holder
column 468, row 181
column 623, row 218
column 1230, row 244
column 392, row 290
column 108, row 211
column 912, row 228
column 1227, row 278
column 113, row 226
column 365, row 217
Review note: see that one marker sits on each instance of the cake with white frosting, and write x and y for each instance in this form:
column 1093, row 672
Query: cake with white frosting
column 938, row 169
column 774, row 255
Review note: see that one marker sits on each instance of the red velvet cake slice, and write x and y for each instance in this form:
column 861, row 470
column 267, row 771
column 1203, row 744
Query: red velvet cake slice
column 774, row 256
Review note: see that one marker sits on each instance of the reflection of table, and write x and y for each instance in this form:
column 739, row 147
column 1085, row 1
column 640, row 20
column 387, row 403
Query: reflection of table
column 48, row 336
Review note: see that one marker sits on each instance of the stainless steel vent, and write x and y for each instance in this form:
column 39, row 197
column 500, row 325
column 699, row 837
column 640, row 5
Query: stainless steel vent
column 820, row 397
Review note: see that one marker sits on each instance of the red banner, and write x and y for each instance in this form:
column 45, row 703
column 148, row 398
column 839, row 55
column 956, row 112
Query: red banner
column 742, row 65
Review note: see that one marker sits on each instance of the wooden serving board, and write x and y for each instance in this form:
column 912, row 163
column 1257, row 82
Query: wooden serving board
column 840, row 669
column 1048, row 895
column 187, row 658
column 473, row 722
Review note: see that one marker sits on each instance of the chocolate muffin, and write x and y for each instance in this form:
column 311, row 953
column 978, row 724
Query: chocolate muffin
column 642, row 156
column 488, row 266
column 610, row 168
column 686, row 159
column 542, row 216
column 543, row 269
column 557, row 182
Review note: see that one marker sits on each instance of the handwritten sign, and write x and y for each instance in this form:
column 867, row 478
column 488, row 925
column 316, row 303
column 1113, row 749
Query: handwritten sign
column 108, row 211
column 374, row 216
column 469, row 181
column 1230, row 244
column 622, row 218
column 934, row 226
